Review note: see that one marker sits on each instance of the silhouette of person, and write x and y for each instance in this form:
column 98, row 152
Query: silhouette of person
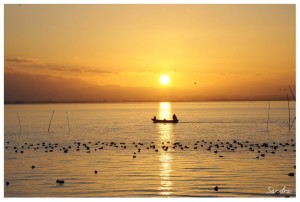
column 174, row 117
column 154, row 118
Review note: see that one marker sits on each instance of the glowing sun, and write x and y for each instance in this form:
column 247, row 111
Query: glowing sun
column 164, row 79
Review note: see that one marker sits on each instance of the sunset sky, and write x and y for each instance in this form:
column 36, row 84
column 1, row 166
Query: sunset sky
column 119, row 52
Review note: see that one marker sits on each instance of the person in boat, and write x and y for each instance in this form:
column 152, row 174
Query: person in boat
column 174, row 117
column 154, row 118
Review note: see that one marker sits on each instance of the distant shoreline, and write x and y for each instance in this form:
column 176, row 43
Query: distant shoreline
column 103, row 102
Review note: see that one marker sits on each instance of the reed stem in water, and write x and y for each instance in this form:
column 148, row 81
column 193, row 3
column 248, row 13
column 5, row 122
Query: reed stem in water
column 68, row 121
column 268, row 117
column 289, row 112
column 50, row 121
column 19, row 122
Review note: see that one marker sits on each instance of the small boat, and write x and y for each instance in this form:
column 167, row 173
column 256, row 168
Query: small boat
column 165, row 121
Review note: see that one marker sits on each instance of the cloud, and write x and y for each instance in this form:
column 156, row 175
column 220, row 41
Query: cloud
column 99, row 71
column 142, row 73
column 8, row 69
column 37, row 64
column 21, row 60
column 76, row 70
column 80, row 70
column 27, row 87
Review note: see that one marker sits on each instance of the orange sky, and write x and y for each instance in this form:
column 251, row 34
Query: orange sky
column 228, row 50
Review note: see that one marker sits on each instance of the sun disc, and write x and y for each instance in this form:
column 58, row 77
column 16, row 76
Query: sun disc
column 164, row 79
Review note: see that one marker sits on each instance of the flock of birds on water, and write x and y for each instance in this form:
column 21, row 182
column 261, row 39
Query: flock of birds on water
column 261, row 150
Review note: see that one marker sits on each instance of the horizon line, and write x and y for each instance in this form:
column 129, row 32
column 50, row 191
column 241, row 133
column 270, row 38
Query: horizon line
column 135, row 101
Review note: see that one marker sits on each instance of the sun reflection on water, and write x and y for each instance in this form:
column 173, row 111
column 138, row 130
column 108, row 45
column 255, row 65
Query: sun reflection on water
column 164, row 110
column 165, row 158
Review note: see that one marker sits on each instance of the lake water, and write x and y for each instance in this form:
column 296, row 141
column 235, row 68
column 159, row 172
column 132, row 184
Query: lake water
column 224, row 144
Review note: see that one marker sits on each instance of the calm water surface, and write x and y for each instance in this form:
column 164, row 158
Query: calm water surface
column 189, row 169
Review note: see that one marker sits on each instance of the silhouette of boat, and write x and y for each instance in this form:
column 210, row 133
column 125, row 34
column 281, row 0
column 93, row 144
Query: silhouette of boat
column 165, row 121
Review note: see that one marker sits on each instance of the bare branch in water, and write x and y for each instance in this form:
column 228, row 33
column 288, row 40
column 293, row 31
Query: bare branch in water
column 293, row 122
column 292, row 93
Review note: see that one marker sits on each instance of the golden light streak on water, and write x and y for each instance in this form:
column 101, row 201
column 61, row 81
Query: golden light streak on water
column 165, row 159
column 164, row 110
column 165, row 171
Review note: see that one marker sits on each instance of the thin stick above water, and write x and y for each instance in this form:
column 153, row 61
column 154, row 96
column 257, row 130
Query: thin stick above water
column 295, row 100
column 50, row 121
column 268, row 117
column 68, row 121
column 293, row 122
column 289, row 111
column 292, row 93
column 19, row 122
